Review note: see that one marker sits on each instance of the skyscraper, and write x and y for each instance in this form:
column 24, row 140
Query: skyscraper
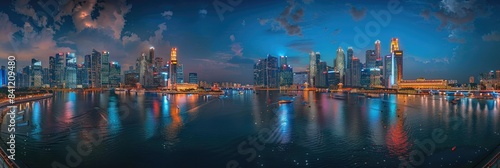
column 157, row 71
column 52, row 70
column 348, row 67
column 371, row 59
column 87, row 63
column 377, row 48
column 266, row 72
column 398, row 56
column 173, row 67
column 322, row 75
column 387, row 71
column 105, row 69
column 141, row 66
column 356, row 71
column 193, row 78
column 60, row 66
column 70, row 70
column 151, row 57
column 313, row 69
column 285, row 75
column 3, row 76
column 283, row 60
column 95, row 70
column 340, row 64
column 115, row 74
column 394, row 44
column 36, row 73
column 180, row 73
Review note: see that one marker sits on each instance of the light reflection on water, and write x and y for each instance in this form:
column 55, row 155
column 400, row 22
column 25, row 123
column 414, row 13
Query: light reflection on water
column 315, row 127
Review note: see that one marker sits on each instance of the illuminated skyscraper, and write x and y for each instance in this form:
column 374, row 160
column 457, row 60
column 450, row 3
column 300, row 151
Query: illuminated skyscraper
column 356, row 72
column 151, row 55
column 283, row 61
column 371, row 59
column 115, row 74
column 142, row 66
column 70, row 70
column 398, row 57
column 387, row 71
column 340, row 63
column 322, row 76
column 87, row 63
column 313, row 69
column 173, row 67
column 377, row 48
column 36, row 73
column 193, row 78
column 95, row 70
column 180, row 73
column 52, row 70
column 60, row 65
column 394, row 44
column 105, row 69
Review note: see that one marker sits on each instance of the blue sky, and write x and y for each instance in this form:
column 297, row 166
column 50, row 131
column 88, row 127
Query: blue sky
column 449, row 39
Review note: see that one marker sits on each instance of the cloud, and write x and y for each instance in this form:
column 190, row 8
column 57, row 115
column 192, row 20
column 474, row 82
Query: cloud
column 283, row 21
column 167, row 14
column 493, row 36
column 237, row 49
column 232, row 37
column 303, row 45
column 262, row 22
column 243, row 23
column 131, row 37
column 203, row 12
column 111, row 16
column 24, row 8
column 454, row 38
column 425, row 14
column 158, row 36
column 357, row 14
column 7, row 28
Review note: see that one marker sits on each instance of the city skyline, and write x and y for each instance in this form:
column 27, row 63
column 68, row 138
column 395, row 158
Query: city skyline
column 455, row 39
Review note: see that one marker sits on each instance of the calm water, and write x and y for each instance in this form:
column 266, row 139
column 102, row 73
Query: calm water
column 154, row 130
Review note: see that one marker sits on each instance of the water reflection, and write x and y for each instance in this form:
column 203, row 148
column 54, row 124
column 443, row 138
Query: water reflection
column 397, row 136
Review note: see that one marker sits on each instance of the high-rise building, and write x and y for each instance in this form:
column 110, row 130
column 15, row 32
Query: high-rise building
column 322, row 75
column 141, row 66
column 3, row 76
column 498, row 74
column 285, row 75
column 471, row 79
column 348, row 67
column 371, row 59
column 173, row 67
column 81, row 75
column 60, row 66
column 95, row 70
column 266, row 72
column 365, row 78
column 105, row 69
column 115, row 74
column 151, row 57
column 52, row 71
column 377, row 49
column 180, row 73
column 36, row 73
column 375, row 78
column 387, row 71
column 70, row 70
column 46, row 76
column 283, row 61
column 333, row 77
column 394, row 44
column 356, row 72
column 193, row 78
column 300, row 78
column 340, row 64
column 398, row 57
column 313, row 68
column 87, row 63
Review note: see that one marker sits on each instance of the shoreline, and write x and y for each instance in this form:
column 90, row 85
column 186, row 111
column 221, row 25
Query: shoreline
column 18, row 100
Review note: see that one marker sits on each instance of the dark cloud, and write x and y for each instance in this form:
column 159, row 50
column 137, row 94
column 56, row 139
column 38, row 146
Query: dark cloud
column 167, row 14
column 357, row 14
column 298, row 15
column 493, row 36
column 283, row 19
column 262, row 21
column 425, row 14
column 305, row 45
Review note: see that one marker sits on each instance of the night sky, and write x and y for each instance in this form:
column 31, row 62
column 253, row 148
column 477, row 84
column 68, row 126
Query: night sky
column 448, row 39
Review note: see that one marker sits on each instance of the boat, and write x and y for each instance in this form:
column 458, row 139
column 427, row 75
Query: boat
column 285, row 101
column 373, row 96
column 241, row 92
column 120, row 90
column 137, row 91
column 455, row 101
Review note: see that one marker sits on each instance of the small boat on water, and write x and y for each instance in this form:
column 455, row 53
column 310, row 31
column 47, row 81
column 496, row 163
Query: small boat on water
column 455, row 101
column 285, row 101
column 120, row 90
column 373, row 96
column 241, row 92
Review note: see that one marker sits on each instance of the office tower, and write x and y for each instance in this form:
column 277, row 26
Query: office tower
column 348, row 65
column 394, row 44
column 81, row 75
column 371, row 59
column 173, row 67
column 285, row 75
column 115, row 74
column 180, row 73
column 266, row 72
column 193, row 78
column 333, row 77
column 284, row 60
column 60, row 66
column 322, row 75
column 387, row 71
column 95, row 70
column 375, row 76
column 356, row 72
column 157, row 71
column 151, row 57
column 300, row 78
column 377, row 48
column 70, row 70
column 165, row 70
column 36, row 75
column 141, row 66
column 87, row 63
column 52, row 71
column 340, row 64
column 105, row 69
column 46, row 76
column 313, row 69
column 398, row 57
column 365, row 78
column 25, row 79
